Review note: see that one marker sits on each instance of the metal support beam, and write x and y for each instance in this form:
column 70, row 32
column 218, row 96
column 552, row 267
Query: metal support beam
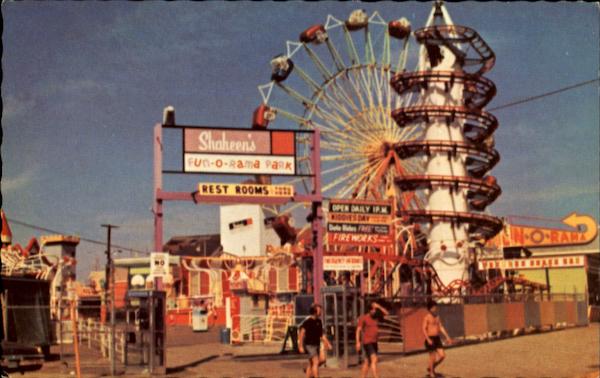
column 110, row 284
column 157, row 205
column 317, row 218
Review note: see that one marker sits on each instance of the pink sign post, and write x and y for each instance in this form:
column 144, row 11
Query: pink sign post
column 157, row 206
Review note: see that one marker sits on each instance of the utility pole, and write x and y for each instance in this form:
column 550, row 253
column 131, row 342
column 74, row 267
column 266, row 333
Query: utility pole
column 110, row 275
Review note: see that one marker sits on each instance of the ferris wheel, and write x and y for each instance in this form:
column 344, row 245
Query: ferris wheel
column 336, row 78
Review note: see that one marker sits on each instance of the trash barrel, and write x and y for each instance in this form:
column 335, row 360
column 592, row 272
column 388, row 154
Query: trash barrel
column 225, row 332
column 199, row 319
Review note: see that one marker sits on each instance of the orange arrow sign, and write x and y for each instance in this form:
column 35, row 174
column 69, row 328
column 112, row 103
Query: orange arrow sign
column 583, row 221
column 584, row 231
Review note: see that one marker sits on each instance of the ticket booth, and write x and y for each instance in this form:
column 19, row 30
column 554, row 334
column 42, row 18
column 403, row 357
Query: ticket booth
column 146, row 330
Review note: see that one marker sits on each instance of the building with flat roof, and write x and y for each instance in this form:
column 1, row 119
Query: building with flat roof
column 566, row 258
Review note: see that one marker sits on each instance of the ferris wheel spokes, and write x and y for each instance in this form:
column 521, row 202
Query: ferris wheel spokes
column 345, row 93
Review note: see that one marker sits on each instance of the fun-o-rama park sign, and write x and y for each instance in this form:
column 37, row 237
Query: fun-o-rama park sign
column 352, row 222
column 227, row 151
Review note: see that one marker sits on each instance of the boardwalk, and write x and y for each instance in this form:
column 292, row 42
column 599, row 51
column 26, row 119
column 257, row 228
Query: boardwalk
column 566, row 353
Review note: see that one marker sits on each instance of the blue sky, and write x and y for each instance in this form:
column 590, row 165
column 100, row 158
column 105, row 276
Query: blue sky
column 84, row 83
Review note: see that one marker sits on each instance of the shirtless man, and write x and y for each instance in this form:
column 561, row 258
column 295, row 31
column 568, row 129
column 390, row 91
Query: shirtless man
column 432, row 326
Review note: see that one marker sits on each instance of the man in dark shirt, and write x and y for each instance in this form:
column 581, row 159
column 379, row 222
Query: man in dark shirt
column 311, row 334
column 368, row 331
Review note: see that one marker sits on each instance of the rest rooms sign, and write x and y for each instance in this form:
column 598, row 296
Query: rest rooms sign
column 354, row 222
column 343, row 263
column 535, row 263
column 159, row 264
column 239, row 151
column 245, row 190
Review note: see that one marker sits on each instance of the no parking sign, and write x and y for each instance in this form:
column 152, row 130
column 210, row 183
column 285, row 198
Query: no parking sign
column 159, row 264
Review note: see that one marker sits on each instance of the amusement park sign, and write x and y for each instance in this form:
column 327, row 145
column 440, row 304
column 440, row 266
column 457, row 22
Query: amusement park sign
column 584, row 230
column 240, row 164
column 227, row 141
column 215, row 150
column 245, row 190
column 352, row 222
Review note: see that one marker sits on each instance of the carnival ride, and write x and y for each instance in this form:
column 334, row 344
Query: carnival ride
column 17, row 261
column 30, row 261
column 33, row 262
column 457, row 144
column 337, row 80
column 418, row 137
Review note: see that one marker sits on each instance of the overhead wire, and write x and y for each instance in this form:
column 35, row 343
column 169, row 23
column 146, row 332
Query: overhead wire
column 88, row 240
column 537, row 97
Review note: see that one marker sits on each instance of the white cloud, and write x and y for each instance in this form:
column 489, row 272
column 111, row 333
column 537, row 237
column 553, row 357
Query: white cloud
column 82, row 85
column 73, row 87
column 14, row 108
column 11, row 184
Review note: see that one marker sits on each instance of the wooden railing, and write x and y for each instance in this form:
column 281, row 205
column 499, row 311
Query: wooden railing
column 96, row 335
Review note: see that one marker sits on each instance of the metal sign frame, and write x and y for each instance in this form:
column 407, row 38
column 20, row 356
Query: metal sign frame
column 315, row 197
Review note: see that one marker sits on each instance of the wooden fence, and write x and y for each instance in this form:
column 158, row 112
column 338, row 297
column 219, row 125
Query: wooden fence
column 94, row 334
column 480, row 320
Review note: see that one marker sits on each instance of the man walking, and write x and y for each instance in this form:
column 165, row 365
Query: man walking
column 432, row 326
column 311, row 334
column 367, row 331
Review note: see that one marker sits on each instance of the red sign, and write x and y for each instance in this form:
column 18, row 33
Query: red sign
column 243, row 142
column 359, row 239
column 355, row 222
column 358, row 218
column 234, row 313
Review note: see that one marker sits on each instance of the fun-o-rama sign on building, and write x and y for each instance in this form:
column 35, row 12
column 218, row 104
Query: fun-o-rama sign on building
column 566, row 258
column 583, row 230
